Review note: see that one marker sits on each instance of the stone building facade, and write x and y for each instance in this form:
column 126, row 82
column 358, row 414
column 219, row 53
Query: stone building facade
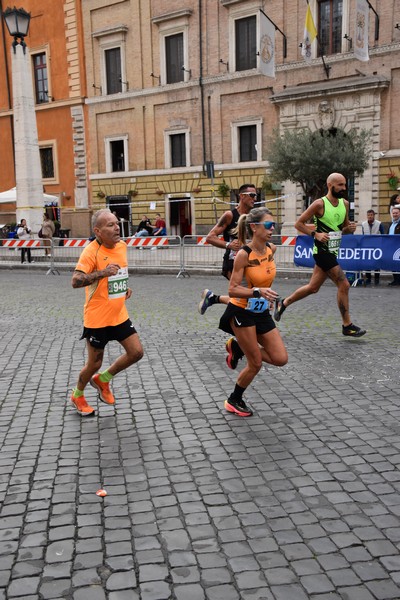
column 55, row 44
column 172, row 86
column 188, row 90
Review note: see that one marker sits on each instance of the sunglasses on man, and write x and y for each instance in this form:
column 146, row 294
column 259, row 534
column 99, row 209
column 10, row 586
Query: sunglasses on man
column 251, row 194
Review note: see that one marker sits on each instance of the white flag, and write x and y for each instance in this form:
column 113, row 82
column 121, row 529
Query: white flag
column 310, row 33
column 266, row 46
column 361, row 31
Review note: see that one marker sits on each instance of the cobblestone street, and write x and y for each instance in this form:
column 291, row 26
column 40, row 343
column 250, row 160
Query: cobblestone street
column 300, row 501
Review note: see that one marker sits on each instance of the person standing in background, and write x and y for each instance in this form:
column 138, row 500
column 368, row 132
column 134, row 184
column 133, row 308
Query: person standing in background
column 24, row 233
column 394, row 199
column 372, row 227
column 394, row 229
column 48, row 229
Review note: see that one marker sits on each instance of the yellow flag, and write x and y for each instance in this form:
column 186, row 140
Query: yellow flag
column 310, row 34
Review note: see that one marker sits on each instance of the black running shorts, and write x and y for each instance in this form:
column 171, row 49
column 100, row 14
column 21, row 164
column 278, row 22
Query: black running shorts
column 326, row 260
column 263, row 322
column 227, row 267
column 99, row 337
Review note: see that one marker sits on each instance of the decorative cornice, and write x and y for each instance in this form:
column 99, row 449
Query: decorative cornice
column 327, row 88
column 172, row 87
column 110, row 30
column 175, row 14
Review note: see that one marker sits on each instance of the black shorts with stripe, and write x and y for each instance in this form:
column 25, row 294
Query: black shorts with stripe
column 100, row 336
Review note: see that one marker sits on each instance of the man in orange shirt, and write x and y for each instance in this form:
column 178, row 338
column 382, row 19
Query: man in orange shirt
column 103, row 270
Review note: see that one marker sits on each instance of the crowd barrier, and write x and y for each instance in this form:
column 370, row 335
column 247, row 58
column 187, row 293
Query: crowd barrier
column 157, row 254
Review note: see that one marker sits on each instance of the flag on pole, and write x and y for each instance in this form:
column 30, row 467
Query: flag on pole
column 310, row 33
column 361, row 31
column 266, row 46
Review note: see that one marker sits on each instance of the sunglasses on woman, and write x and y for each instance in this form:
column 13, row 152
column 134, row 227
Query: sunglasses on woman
column 267, row 224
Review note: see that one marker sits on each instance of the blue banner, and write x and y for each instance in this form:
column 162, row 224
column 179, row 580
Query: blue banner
column 356, row 253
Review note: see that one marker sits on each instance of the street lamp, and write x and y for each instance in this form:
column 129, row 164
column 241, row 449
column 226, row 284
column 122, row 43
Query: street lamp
column 28, row 172
column 17, row 21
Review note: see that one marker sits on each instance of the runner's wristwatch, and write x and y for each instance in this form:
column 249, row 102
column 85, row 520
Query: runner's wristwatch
column 313, row 234
column 256, row 292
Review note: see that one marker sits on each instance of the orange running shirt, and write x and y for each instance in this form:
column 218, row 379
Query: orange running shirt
column 105, row 298
column 260, row 272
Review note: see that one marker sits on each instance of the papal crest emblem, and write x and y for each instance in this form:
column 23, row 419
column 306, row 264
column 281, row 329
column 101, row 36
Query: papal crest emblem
column 267, row 49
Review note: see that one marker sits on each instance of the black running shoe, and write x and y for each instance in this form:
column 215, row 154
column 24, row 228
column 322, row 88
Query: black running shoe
column 279, row 309
column 353, row 331
column 239, row 407
column 235, row 353
column 207, row 299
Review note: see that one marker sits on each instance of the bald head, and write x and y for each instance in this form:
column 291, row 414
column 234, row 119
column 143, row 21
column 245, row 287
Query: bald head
column 335, row 178
column 100, row 216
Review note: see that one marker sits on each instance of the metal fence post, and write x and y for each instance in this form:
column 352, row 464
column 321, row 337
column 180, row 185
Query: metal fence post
column 182, row 270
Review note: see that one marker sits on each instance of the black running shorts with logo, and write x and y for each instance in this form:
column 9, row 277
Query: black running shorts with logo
column 326, row 260
column 263, row 322
column 99, row 337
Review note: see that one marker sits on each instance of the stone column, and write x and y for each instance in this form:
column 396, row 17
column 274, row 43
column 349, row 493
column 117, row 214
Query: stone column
column 28, row 172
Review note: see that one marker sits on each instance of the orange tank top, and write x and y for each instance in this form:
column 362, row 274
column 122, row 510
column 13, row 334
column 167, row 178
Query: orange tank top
column 260, row 272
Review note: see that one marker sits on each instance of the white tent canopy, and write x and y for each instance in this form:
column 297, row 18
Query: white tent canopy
column 11, row 196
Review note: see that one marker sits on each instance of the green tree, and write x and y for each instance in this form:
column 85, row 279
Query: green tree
column 308, row 157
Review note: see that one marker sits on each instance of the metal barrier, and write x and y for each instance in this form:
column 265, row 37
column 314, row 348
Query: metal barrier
column 145, row 253
column 157, row 253
column 10, row 251
column 197, row 253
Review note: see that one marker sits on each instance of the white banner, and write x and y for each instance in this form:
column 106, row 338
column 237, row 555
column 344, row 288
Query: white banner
column 266, row 46
column 361, row 31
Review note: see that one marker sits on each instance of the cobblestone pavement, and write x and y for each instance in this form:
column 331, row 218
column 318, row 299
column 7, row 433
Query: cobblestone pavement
column 300, row 501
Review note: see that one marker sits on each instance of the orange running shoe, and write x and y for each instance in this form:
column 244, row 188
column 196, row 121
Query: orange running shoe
column 239, row 407
column 82, row 406
column 103, row 389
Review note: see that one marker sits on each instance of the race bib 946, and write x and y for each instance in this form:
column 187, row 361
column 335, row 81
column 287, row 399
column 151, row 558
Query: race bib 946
column 118, row 284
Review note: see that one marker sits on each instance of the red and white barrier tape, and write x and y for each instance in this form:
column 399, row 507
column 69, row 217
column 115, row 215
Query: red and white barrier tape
column 22, row 243
column 147, row 241
column 75, row 243
column 288, row 240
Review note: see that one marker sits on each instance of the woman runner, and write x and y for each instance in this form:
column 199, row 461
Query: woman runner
column 247, row 316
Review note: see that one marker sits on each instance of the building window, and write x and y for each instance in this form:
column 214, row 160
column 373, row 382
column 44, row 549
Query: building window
column 117, row 155
column 246, row 43
column 330, row 17
column 177, row 150
column 174, row 58
column 111, row 78
column 116, row 149
column 40, row 77
column 47, row 163
column 246, row 141
column 112, row 60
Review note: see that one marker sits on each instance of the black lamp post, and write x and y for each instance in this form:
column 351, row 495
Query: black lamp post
column 17, row 21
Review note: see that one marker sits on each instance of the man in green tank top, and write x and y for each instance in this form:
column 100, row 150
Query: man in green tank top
column 330, row 216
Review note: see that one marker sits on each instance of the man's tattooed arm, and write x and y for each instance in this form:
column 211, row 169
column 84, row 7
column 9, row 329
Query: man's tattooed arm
column 80, row 279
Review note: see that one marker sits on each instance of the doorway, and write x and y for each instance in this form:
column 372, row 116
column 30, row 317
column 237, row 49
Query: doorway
column 121, row 207
column 180, row 218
